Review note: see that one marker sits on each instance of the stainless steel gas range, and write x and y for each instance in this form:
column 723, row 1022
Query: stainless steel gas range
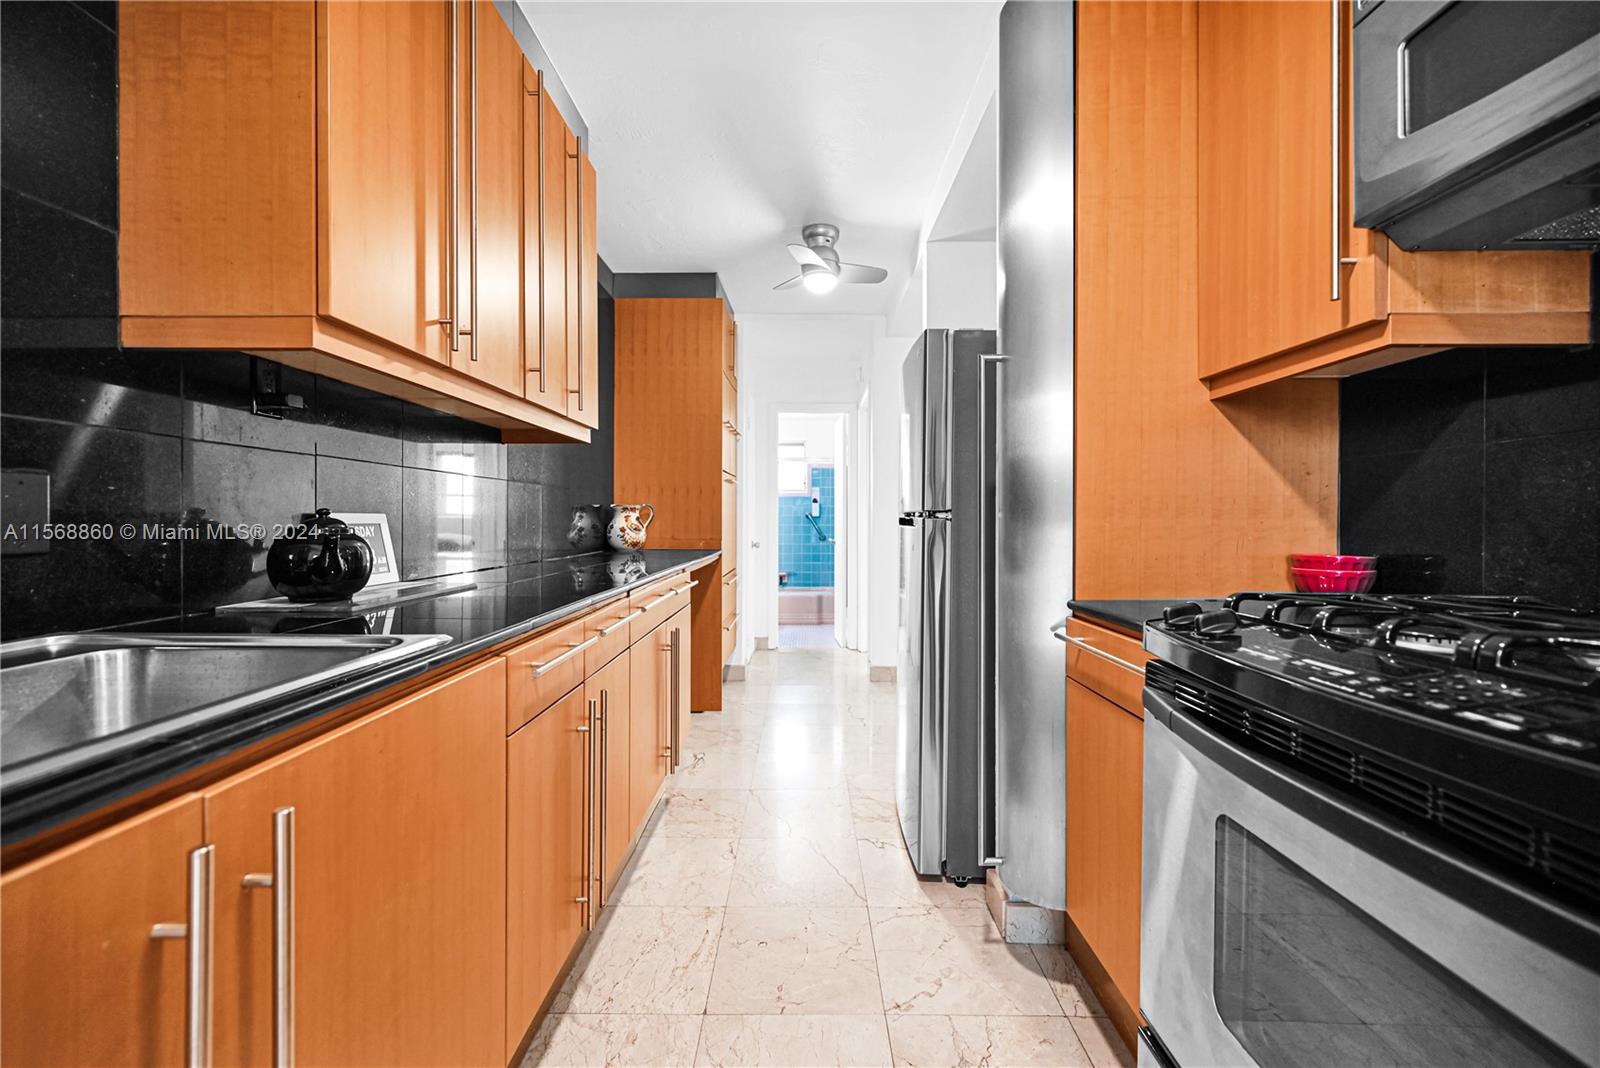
column 1371, row 833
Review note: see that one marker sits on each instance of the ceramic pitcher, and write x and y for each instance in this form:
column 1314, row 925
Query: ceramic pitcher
column 626, row 530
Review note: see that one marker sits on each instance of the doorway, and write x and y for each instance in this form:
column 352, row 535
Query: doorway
column 811, row 505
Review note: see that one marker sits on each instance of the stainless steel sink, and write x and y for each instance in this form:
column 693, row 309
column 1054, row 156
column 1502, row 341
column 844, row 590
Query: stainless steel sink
column 72, row 698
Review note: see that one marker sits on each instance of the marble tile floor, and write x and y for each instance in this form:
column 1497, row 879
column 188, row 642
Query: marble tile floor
column 770, row 915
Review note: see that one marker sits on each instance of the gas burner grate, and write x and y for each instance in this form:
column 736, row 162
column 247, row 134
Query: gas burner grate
column 1545, row 856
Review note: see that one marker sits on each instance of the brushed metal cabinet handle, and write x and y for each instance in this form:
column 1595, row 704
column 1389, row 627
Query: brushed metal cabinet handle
column 1072, row 639
column 281, row 882
column 198, row 932
column 454, row 320
column 609, row 630
column 473, row 235
column 540, row 669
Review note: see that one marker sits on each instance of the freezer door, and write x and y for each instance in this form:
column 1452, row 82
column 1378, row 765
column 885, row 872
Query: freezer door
column 936, row 440
column 913, row 430
column 923, row 693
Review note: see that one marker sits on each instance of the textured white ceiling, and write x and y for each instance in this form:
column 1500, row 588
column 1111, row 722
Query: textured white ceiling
column 719, row 129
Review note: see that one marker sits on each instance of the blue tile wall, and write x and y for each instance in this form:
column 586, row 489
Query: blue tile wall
column 806, row 558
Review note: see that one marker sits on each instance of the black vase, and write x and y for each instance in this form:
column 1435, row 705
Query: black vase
column 322, row 560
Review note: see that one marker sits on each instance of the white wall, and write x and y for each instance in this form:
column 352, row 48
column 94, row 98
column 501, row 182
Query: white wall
column 815, row 431
column 885, row 397
column 959, row 285
column 787, row 363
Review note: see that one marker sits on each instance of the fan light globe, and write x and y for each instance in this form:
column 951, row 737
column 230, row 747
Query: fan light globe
column 820, row 280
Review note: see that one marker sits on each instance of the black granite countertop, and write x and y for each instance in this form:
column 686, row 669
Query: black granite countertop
column 1131, row 615
column 500, row 605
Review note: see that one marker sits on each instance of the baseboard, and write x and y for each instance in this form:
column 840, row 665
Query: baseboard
column 1021, row 922
column 733, row 673
column 763, row 644
column 882, row 673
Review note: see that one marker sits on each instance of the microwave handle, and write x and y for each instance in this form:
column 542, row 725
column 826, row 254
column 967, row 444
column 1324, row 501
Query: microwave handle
column 1376, row 833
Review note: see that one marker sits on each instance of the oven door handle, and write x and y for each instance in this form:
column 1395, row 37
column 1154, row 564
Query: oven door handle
column 1452, row 873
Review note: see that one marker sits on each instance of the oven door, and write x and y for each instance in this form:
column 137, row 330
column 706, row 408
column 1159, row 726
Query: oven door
column 1447, row 91
column 1287, row 924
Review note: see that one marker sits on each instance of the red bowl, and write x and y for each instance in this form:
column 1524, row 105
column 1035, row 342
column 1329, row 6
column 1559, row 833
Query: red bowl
column 1318, row 580
column 1329, row 562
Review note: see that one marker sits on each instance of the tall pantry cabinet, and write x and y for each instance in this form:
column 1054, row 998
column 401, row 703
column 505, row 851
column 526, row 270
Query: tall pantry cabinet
column 677, row 439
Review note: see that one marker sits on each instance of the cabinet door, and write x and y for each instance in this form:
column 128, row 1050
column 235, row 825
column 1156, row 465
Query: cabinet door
column 585, row 407
column 1271, row 228
column 399, row 884
column 730, row 349
column 547, row 871
column 609, row 690
column 490, row 164
column 1105, row 765
column 553, row 193
column 730, row 524
column 682, row 671
column 383, row 169
column 647, row 699
column 82, row 981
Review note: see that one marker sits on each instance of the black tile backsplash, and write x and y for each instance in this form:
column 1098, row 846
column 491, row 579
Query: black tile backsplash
column 167, row 441
column 1487, row 458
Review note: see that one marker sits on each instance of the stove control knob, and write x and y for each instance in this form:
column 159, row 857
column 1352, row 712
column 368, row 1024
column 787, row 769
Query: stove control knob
column 1214, row 624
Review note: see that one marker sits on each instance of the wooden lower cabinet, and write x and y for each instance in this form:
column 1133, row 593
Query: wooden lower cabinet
column 647, row 702
column 547, row 866
column 682, row 632
column 1105, row 797
column 83, row 982
column 399, row 886
column 609, row 690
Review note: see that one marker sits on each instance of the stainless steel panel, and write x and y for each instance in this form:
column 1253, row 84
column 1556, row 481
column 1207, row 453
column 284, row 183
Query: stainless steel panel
column 913, row 433
column 1418, row 899
column 936, row 441
column 1033, row 522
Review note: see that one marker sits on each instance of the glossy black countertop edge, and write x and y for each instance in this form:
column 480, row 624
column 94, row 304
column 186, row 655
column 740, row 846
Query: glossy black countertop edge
column 1131, row 614
column 81, row 791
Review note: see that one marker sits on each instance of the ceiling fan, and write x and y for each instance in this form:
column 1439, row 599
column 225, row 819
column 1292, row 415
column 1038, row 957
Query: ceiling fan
column 820, row 267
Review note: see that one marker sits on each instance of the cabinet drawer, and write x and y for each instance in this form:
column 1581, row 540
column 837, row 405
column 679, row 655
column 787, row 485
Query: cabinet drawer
column 655, row 604
column 730, row 598
column 730, row 639
column 730, row 524
column 1093, row 653
column 542, row 671
column 610, row 623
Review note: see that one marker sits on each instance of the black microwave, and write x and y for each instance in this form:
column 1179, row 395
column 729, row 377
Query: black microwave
column 1477, row 122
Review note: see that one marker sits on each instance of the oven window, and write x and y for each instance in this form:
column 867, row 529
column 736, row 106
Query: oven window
column 1475, row 47
column 1303, row 977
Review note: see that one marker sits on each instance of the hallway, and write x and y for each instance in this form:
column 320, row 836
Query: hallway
column 770, row 915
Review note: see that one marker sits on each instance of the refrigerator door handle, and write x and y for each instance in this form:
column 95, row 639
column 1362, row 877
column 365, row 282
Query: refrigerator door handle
column 989, row 852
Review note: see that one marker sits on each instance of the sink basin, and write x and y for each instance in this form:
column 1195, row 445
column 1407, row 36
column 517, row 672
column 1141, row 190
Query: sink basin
column 68, row 699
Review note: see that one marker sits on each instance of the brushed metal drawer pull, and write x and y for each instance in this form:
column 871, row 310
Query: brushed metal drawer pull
column 281, row 882
column 573, row 650
column 669, row 595
column 198, row 932
column 1083, row 644
column 608, row 631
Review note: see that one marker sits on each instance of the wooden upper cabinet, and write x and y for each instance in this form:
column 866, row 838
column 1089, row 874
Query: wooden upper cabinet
column 1286, row 285
column 585, row 407
column 83, row 982
column 294, row 183
column 490, row 166
column 383, row 171
column 547, row 825
column 399, row 886
column 553, row 364
column 730, row 348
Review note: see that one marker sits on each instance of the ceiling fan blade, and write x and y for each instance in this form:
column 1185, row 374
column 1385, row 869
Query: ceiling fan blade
column 790, row 283
column 803, row 255
column 861, row 273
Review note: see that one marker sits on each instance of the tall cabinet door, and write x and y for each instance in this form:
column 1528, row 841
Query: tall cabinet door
column 681, row 628
column 547, row 891
column 647, row 701
column 83, row 982
column 1274, row 183
column 491, row 171
column 585, row 405
column 609, row 691
column 384, row 146
column 553, row 364
column 398, row 884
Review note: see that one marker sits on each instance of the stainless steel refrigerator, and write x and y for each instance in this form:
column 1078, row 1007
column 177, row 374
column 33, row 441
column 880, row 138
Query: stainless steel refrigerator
column 944, row 781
